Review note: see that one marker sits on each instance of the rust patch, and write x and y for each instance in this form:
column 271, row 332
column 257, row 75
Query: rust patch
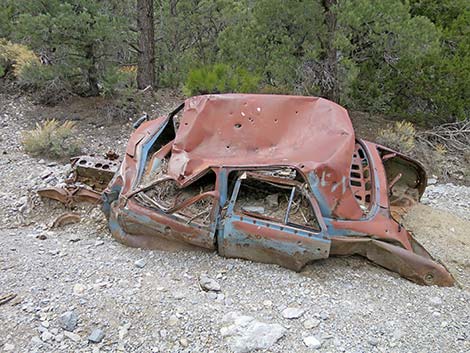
column 65, row 219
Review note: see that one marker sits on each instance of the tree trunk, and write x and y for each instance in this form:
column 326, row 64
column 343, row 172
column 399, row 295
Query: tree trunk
column 146, row 59
column 92, row 73
column 331, row 90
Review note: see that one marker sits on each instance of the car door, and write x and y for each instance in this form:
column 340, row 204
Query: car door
column 273, row 220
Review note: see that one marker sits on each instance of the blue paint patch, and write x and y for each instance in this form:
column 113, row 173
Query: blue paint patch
column 156, row 164
column 232, row 241
column 314, row 185
column 109, row 197
column 280, row 227
column 145, row 150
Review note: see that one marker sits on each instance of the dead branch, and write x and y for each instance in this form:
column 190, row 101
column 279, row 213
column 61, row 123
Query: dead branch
column 453, row 136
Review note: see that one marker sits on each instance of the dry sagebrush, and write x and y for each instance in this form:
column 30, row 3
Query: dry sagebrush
column 52, row 140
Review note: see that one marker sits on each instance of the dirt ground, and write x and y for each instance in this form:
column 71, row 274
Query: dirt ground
column 446, row 236
column 152, row 301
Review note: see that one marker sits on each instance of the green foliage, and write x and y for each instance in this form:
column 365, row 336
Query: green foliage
column 406, row 58
column 7, row 13
column 2, row 71
column 52, row 139
column 437, row 88
column 188, row 32
column 440, row 12
column 220, row 78
column 48, row 87
column 116, row 80
column 76, row 36
column 400, row 136
column 383, row 41
column 36, row 76
column 273, row 38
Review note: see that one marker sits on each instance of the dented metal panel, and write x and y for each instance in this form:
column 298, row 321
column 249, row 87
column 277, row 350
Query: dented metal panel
column 325, row 192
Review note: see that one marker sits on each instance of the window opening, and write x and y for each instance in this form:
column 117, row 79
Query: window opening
column 167, row 195
column 360, row 180
column 281, row 203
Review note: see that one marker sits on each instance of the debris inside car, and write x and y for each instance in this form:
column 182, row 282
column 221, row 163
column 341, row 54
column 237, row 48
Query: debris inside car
column 274, row 179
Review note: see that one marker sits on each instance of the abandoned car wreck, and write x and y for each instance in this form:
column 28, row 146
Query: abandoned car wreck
column 274, row 179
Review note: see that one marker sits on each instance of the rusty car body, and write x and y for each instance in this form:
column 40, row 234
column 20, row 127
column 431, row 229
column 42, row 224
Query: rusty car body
column 269, row 178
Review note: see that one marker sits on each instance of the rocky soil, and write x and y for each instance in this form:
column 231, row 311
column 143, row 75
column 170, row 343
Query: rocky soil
column 75, row 289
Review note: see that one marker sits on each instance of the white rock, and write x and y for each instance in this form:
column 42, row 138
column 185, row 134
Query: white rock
column 8, row 347
column 123, row 330
column 432, row 181
column 212, row 295
column 96, row 336
column 435, row 301
column 140, row 263
column 311, row 323
column 292, row 313
column 46, row 336
column 35, row 341
column 79, row 289
column 312, row 342
column 245, row 334
column 268, row 303
column 208, row 284
column 173, row 320
column 184, row 342
column 73, row 336
column 373, row 341
column 324, row 316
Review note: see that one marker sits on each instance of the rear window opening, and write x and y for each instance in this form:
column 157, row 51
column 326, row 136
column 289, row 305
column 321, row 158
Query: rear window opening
column 360, row 179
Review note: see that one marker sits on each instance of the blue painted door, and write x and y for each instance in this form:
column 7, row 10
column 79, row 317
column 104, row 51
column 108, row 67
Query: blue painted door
column 272, row 220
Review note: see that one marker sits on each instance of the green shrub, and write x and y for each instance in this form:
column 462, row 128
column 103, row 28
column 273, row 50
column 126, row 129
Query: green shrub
column 400, row 136
column 45, row 83
column 220, row 78
column 2, row 71
column 36, row 76
column 52, row 139
column 116, row 80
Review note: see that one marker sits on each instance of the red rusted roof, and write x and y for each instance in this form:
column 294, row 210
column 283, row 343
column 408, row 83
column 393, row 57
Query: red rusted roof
column 262, row 130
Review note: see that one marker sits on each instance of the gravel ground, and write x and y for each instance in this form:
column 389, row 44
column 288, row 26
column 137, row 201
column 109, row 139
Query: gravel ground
column 77, row 290
column 455, row 198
